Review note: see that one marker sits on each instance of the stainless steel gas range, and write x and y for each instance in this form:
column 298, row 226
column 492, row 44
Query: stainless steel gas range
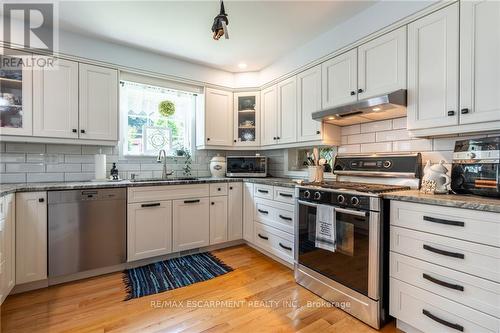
column 352, row 272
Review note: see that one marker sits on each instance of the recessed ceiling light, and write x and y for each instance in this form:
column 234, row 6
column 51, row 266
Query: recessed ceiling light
column 376, row 109
column 242, row 65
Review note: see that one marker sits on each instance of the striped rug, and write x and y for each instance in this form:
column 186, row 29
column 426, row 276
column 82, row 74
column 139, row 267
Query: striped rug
column 172, row 273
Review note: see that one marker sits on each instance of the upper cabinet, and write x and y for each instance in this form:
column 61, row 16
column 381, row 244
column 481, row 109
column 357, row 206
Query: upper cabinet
column 98, row 117
column 382, row 64
column 247, row 119
column 340, row 79
column 269, row 112
column 218, row 130
column 55, row 100
column 16, row 92
column 287, row 111
column 479, row 61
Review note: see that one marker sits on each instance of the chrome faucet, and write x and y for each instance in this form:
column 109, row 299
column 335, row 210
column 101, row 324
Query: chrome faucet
column 165, row 173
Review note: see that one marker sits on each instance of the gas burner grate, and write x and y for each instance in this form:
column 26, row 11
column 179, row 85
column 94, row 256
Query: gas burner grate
column 360, row 187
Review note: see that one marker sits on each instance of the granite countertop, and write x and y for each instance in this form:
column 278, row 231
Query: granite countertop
column 32, row 187
column 450, row 200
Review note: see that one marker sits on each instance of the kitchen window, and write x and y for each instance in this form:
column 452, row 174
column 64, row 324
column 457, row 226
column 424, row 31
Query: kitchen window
column 155, row 116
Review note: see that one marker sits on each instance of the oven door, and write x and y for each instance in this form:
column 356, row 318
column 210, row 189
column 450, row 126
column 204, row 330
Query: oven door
column 355, row 261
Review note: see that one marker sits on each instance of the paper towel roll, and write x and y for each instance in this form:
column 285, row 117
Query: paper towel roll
column 100, row 166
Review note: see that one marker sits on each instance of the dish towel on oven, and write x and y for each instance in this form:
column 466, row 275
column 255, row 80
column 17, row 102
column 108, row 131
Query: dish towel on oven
column 325, row 228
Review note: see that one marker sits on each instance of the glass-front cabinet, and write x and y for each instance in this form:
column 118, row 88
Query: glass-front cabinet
column 15, row 94
column 247, row 119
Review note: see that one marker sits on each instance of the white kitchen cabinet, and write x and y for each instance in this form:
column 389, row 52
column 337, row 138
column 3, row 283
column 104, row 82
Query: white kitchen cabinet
column 149, row 229
column 340, row 79
column 248, row 211
column 218, row 118
column 16, row 88
column 218, row 220
column 308, row 101
column 269, row 116
column 98, row 103
column 287, row 110
column 191, row 223
column 479, row 61
column 55, row 100
column 31, row 237
column 247, row 119
column 235, row 211
column 382, row 64
column 433, row 54
column 7, row 245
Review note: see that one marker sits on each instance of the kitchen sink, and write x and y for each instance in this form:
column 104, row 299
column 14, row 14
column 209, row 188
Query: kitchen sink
column 174, row 179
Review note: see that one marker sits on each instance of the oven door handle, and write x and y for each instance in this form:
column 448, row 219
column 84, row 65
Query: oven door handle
column 350, row 212
column 305, row 203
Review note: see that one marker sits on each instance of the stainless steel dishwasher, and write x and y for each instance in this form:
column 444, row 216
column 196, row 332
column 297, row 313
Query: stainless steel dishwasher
column 87, row 229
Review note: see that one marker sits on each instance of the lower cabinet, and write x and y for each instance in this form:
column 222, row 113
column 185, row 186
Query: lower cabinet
column 235, row 211
column 31, row 237
column 7, row 245
column 191, row 223
column 248, row 210
column 149, row 229
column 218, row 219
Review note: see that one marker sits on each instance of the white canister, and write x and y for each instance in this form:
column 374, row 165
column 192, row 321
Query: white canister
column 100, row 167
column 315, row 174
column 218, row 166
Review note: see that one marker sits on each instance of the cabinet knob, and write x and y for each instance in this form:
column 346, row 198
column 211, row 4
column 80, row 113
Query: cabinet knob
column 213, row 203
column 218, row 189
column 41, row 199
column 234, row 140
column 318, row 132
column 451, row 113
column 277, row 138
column 230, row 187
column 360, row 91
column 353, row 93
column 74, row 130
column 208, row 139
column 82, row 131
column 464, row 111
column 274, row 138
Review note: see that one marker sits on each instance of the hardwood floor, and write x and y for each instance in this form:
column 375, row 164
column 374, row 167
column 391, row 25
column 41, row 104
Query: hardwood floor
column 260, row 295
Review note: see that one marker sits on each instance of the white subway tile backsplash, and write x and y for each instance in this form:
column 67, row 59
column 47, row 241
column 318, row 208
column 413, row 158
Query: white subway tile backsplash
column 79, row 158
column 17, row 147
column 2, row 147
column 151, row 166
column 352, row 129
column 129, row 167
column 349, row 149
column 343, row 139
column 90, row 168
column 436, row 156
column 361, row 138
column 2, row 167
column 380, row 147
column 64, row 167
column 6, row 178
column 399, row 123
column 75, row 177
column 24, row 167
column 64, row 149
column 394, row 135
column 44, row 177
column 97, row 150
column 412, row 145
column 376, row 126
column 16, row 158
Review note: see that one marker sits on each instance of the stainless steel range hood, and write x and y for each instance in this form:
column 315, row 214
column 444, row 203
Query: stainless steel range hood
column 388, row 106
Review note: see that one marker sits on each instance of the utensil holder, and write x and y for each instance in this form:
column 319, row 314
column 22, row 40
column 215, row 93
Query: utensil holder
column 315, row 174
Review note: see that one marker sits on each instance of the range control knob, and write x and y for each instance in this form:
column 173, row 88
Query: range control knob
column 317, row 195
column 387, row 164
column 307, row 194
column 340, row 198
column 354, row 201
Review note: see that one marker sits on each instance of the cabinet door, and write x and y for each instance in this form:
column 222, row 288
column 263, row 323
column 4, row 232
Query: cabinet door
column 479, row 61
column 340, row 79
column 149, row 229
column 269, row 116
column 31, row 237
column 247, row 119
column 191, row 224
column 218, row 219
column 55, row 101
column 16, row 89
column 433, row 70
column 10, row 244
column 382, row 64
column 287, row 110
column 218, row 117
column 98, row 116
column 248, row 212
column 235, row 211
column 308, row 101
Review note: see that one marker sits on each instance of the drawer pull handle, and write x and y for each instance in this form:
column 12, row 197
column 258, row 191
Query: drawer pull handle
column 156, row 204
column 285, row 218
column 442, row 283
column 263, row 237
column 262, row 211
column 192, row 201
column 442, row 321
column 443, row 221
column 286, row 195
column 285, row 247
column 444, row 253
column 263, row 191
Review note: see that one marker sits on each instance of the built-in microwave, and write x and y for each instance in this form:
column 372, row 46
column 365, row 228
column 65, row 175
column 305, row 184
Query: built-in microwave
column 246, row 166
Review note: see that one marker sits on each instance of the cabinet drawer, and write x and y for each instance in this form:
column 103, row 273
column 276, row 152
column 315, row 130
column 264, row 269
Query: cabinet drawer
column 275, row 214
column 274, row 241
column 471, row 225
column 479, row 294
column 218, row 189
column 263, row 191
column 431, row 313
column 166, row 192
column 479, row 260
column 284, row 194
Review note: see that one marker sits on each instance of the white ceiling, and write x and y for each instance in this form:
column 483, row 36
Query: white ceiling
column 260, row 31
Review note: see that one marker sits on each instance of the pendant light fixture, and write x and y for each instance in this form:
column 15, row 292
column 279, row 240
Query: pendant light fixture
column 221, row 22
